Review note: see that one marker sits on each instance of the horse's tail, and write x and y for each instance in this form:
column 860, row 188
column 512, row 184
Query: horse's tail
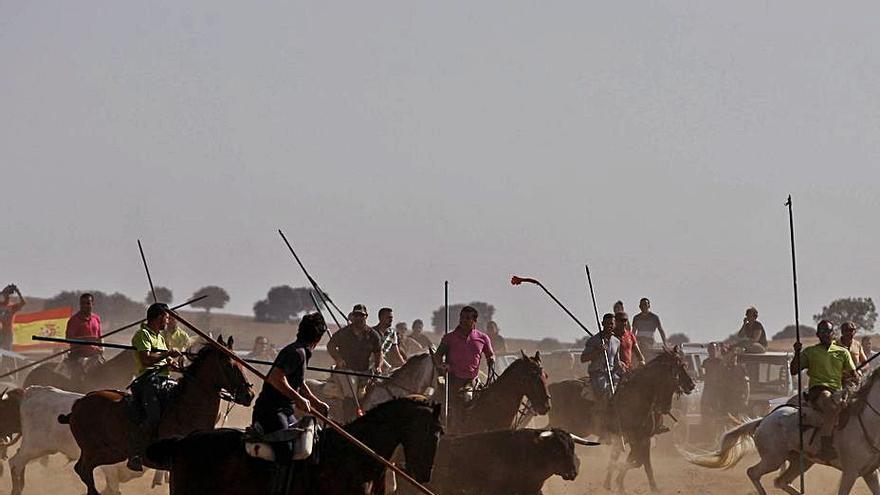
column 64, row 419
column 735, row 444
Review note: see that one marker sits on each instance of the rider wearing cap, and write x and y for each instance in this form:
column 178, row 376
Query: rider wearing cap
column 355, row 347
column 828, row 366
column 153, row 370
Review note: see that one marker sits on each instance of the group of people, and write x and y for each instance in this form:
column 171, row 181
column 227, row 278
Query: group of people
column 726, row 386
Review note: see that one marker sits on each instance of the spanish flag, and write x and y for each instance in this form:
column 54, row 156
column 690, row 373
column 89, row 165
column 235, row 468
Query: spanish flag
column 47, row 323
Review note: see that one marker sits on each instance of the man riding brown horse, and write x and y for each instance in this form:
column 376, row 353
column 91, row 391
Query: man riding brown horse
column 153, row 379
column 84, row 325
column 284, row 389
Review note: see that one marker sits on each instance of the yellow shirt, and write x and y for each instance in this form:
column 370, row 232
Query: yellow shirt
column 826, row 366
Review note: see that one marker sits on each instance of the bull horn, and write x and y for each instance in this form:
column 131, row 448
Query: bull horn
column 546, row 434
column 3, row 395
column 583, row 441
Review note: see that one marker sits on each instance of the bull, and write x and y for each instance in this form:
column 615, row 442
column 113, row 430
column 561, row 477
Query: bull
column 41, row 434
column 515, row 462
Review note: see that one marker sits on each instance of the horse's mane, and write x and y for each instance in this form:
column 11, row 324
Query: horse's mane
column 639, row 374
column 386, row 412
column 197, row 361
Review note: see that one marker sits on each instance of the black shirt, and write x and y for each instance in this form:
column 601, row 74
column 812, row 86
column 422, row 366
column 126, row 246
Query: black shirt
column 292, row 360
column 355, row 350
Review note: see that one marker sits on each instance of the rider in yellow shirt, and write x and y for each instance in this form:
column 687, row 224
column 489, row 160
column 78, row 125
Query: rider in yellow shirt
column 828, row 366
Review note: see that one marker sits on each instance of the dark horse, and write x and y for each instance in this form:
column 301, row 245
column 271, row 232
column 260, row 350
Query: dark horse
column 495, row 407
column 116, row 373
column 100, row 424
column 631, row 414
column 215, row 461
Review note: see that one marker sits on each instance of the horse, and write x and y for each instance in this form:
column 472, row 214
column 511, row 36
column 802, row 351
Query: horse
column 416, row 375
column 41, row 435
column 215, row 461
column 114, row 373
column 776, row 439
column 639, row 395
column 100, row 422
column 496, row 406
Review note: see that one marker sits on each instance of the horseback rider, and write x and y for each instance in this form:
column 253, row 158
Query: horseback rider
column 829, row 368
column 84, row 325
column 353, row 348
column 390, row 339
column 459, row 355
column 628, row 343
column 602, row 344
column 849, row 342
column 153, row 376
column 285, row 388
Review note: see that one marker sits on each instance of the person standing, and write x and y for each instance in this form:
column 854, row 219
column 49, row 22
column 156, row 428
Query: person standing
column 849, row 342
column 646, row 324
column 419, row 336
column 7, row 315
column 752, row 330
column 408, row 346
column 710, row 400
column 285, row 389
column 389, row 338
column 460, row 353
column 85, row 324
column 499, row 345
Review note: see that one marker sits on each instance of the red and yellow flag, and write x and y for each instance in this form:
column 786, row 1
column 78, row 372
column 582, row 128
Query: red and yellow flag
column 47, row 323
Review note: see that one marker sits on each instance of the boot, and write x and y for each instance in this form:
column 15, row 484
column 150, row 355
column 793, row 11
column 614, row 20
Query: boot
column 827, row 452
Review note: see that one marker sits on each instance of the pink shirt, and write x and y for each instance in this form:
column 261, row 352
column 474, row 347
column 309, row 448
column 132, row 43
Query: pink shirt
column 465, row 351
column 79, row 328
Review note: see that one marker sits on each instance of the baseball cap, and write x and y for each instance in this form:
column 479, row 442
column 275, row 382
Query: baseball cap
column 359, row 308
column 825, row 326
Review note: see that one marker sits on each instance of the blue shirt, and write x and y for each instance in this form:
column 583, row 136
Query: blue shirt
column 598, row 365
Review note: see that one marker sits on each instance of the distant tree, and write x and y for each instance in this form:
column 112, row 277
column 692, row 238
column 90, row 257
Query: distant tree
column 549, row 344
column 677, row 339
column 789, row 333
column 113, row 308
column 163, row 294
column 859, row 310
column 283, row 304
column 217, row 298
column 486, row 312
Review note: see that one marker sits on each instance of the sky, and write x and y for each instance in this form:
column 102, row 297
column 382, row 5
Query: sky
column 401, row 144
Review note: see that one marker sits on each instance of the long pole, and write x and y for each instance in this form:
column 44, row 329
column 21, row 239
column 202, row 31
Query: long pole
column 445, row 332
column 797, row 333
column 357, row 443
column 515, row 280
column 147, row 269
column 127, row 347
column 65, row 351
column 596, row 310
column 312, row 281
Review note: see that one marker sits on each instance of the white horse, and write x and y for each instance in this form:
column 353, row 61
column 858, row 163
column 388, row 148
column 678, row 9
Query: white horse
column 418, row 374
column 776, row 439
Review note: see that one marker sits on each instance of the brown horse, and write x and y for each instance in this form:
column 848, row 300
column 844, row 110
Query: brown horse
column 101, row 425
column 641, row 393
column 495, row 407
column 115, row 373
column 215, row 461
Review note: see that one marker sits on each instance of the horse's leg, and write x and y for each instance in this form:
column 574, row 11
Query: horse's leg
column 158, row 479
column 847, row 480
column 766, row 465
column 649, row 468
column 872, row 479
column 111, row 477
column 86, row 473
column 612, row 463
column 783, row 482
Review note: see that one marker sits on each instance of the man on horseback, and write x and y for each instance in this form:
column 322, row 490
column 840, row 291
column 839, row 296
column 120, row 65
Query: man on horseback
column 628, row 343
column 285, row 388
column 390, row 338
column 602, row 352
column 153, row 377
column 353, row 348
column 459, row 353
column 84, row 325
column 829, row 367
column 849, row 342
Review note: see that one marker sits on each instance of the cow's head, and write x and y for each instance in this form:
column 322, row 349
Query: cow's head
column 10, row 416
column 555, row 448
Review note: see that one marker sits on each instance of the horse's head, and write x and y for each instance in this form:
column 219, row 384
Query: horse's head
column 532, row 380
column 224, row 374
column 680, row 381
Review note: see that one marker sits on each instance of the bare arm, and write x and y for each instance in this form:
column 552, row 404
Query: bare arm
column 150, row 358
column 333, row 351
column 639, row 355
column 662, row 332
column 277, row 379
column 21, row 301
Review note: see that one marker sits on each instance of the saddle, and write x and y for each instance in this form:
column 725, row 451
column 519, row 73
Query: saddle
column 303, row 434
column 167, row 391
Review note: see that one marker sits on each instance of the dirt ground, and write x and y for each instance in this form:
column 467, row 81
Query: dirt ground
column 674, row 476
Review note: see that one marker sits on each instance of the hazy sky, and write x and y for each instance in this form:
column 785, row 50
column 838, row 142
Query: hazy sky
column 400, row 144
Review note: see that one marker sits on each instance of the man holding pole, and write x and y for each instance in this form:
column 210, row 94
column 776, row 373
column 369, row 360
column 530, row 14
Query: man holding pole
column 285, row 388
column 153, row 369
column 353, row 348
column 602, row 344
column 459, row 355
column 829, row 368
